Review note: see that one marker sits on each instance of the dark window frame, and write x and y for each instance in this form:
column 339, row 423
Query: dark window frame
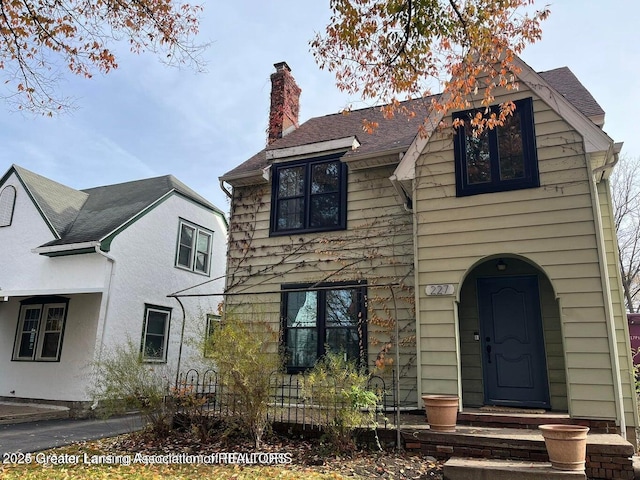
column 307, row 194
column 165, row 337
column 531, row 179
column 321, row 321
column 38, row 341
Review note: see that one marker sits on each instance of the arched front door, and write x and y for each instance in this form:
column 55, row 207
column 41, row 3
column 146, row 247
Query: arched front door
column 512, row 343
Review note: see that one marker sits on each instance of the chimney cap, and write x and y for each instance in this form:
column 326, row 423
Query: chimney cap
column 280, row 66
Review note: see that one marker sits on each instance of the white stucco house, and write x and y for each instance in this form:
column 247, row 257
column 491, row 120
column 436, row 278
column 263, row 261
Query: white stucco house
column 82, row 271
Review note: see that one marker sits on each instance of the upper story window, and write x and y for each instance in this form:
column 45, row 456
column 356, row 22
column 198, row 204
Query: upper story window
column 40, row 329
column 327, row 317
column 7, row 203
column 309, row 196
column 500, row 159
column 155, row 334
column 194, row 248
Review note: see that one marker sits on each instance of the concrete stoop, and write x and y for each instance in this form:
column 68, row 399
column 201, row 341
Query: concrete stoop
column 457, row 468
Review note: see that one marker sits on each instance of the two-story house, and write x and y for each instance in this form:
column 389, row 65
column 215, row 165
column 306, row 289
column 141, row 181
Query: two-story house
column 488, row 262
column 85, row 270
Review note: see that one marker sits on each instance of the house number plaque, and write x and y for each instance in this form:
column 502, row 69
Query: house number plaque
column 439, row 289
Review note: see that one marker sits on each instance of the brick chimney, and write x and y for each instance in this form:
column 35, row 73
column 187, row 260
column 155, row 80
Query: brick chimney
column 285, row 103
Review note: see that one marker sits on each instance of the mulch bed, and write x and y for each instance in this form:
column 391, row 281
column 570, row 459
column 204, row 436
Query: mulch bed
column 306, row 454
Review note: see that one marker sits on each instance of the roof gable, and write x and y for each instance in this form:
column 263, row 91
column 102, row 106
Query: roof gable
column 543, row 85
column 94, row 215
column 559, row 87
column 111, row 208
column 58, row 204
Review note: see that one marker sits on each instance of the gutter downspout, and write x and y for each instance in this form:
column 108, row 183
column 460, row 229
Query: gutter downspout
column 104, row 305
column 224, row 189
column 608, row 304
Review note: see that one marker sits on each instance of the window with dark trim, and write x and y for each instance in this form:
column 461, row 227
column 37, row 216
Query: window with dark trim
column 40, row 329
column 309, row 196
column 327, row 316
column 7, row 204
column 499, row 159
column 213, row 322
column 194, row 248
column 155, row 333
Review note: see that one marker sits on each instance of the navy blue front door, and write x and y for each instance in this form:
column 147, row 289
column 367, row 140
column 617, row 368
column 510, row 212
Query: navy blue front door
column 513, row 355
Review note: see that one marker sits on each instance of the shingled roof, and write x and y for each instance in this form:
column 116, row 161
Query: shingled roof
column 91, row 215
column 398, row 132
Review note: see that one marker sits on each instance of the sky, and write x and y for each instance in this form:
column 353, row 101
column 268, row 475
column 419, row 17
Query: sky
column 146, row 119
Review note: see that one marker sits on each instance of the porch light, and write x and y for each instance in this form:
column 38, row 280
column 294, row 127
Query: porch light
column 501, row 265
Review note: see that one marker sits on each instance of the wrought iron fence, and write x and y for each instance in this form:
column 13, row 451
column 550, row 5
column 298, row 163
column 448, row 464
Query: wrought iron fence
column 290, row 401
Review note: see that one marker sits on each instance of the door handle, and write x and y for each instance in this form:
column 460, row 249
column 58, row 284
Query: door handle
column 488, row 353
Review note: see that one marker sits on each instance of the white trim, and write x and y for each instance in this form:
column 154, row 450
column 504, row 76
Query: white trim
column 65, row 248
column 346, row 143
column 51, row 291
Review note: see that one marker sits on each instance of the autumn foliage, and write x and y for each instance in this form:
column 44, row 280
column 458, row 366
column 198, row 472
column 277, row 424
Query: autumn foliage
column 41, row 39
column 386, row 50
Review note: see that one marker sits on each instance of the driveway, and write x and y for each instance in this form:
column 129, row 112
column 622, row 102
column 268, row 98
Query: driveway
column 44, row 434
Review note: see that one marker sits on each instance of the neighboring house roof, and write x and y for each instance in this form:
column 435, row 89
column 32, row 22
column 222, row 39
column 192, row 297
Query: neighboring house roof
column 98, row 214
column 399, row 132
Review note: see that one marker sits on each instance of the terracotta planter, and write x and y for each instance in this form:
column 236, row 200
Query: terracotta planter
column 566, row 445
column 442, row 412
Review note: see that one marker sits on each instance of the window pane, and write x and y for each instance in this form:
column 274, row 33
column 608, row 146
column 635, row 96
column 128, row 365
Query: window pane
column 478, row 160
column 291, row 182
column 185, row 249
column 55, row 317
column 155, row 337
column 29, row 332
column 153, row 347
column 50, row 345
column 325, row 210
column 302, row 309
column 302, row 347
column 186, row 236
column 342, row 308
column 202, row 252
column 325, row 177
column 290, row 214
column 510, row 148
column 155, row 322
column 344, row 340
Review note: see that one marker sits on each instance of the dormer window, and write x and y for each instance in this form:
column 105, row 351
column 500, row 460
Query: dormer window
column 500, row 159
column 309, row 196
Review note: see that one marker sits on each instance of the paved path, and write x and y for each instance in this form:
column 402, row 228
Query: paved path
column 41, row 435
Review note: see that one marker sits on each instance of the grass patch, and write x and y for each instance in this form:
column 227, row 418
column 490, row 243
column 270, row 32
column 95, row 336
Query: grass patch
column 74, row 462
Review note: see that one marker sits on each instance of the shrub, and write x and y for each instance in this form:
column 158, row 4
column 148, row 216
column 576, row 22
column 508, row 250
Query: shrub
column 338, row 389
column 246, row 356
column 122, row 382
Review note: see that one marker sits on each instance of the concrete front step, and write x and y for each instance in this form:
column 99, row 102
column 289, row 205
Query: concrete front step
column 457, row 468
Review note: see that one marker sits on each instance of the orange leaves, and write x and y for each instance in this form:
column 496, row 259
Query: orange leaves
column 38, row 38
column 385, row 50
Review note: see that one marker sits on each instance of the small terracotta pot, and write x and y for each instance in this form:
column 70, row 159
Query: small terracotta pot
column 441, row 411
column 566, row 445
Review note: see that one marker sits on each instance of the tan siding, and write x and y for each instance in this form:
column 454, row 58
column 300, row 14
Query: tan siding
column 377, row 247
column 553, row 227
